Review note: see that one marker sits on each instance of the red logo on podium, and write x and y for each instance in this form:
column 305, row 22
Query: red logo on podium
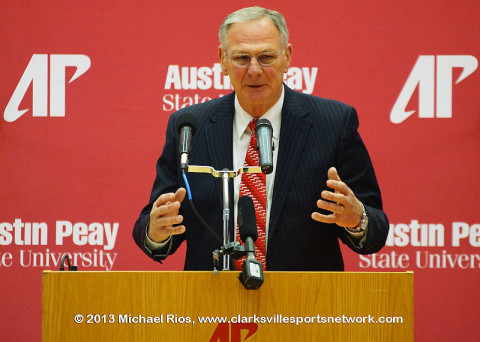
column 232, row 332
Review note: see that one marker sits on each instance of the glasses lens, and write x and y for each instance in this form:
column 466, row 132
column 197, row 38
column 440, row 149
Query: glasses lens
column 266, row 58
column 241, row 60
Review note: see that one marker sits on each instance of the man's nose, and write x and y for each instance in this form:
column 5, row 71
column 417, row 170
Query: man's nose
column 254, row 67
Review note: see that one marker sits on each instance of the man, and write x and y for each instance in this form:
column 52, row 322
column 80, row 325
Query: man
column 309, row 207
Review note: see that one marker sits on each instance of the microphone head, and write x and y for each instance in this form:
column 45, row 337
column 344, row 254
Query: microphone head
column 264, row 133
column 247, row 222
column 263, row 123
column 186, row 119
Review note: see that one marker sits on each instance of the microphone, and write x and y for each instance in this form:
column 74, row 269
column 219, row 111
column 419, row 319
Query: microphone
column 264, row 132
column 247, row 221
column 252, row 270
column 186, row 125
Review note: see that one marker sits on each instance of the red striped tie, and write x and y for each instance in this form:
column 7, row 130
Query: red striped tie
column 254, row 185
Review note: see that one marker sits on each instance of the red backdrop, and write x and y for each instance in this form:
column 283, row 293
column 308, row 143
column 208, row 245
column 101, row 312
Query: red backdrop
column 74, row 178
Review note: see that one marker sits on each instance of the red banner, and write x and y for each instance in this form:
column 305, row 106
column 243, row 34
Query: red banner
column 87, row 89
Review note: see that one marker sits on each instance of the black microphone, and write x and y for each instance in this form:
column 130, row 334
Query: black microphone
column 186, row 125
column 247, row 221
column 264, row 132
column 252, row 270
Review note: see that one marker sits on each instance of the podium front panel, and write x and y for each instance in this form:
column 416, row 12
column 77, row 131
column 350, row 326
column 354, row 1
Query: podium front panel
column 202, row 306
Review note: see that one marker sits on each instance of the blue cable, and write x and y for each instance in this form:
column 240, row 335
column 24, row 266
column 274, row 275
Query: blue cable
column 189, row 193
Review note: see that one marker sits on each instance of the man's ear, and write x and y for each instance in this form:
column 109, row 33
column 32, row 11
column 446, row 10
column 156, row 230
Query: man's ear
column 288, row 55
column 221, row 56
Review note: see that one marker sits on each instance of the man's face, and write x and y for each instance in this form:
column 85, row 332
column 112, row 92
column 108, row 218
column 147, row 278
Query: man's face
column 257, row 87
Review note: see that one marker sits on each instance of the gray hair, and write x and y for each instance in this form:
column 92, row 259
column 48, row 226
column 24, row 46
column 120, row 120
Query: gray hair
column 253, row 13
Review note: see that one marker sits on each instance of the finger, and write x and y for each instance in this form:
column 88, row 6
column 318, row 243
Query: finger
column 333, row 207
column 336, row 197
column 180, row 194
column 169, row 209
column 324, row 218
column 176, row 230
column 161, row 234
column 164, row 198
column 334, row 182
column 338, row 186
column 333, row 174
column 168, row 221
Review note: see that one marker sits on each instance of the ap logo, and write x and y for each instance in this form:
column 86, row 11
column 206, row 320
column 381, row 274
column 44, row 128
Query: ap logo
column 226, row 332
column 432, row 90
column 37, row 74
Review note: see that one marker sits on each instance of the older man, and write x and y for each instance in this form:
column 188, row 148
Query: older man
column 308, row 207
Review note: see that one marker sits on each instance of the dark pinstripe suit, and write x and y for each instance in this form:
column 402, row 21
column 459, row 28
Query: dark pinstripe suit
column 315, row 134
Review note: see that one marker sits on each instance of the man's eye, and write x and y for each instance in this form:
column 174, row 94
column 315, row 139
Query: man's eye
column 266, row 58
column 241, row 59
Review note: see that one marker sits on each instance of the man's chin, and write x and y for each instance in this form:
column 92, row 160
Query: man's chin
column 256, row 93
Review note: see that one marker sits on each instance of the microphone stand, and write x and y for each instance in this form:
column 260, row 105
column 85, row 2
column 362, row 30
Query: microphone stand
column 251, row 276
column 226, row 218
column 225, row 175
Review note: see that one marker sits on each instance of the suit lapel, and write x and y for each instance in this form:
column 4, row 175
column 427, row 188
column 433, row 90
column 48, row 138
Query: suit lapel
column 293, row 136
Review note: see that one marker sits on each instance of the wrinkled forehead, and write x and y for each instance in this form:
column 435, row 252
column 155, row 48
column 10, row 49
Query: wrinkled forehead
column 258, row 35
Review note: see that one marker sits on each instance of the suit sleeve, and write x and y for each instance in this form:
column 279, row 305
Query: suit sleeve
column 356, row 170
column 166, row 180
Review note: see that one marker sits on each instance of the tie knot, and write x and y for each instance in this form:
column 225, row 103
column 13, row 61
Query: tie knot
column 252, row 124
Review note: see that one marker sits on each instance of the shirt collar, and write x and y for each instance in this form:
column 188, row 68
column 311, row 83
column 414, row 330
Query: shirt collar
column 274, row 115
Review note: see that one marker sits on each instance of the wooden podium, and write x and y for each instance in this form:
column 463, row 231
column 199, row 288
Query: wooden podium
column 170, row 306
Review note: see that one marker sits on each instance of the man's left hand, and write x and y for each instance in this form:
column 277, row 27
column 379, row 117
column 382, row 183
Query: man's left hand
column 345, row 207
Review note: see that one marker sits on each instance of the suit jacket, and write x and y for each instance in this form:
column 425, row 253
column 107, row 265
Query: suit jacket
column 315, row 134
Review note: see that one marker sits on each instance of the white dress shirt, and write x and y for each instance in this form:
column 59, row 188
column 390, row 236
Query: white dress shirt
column 241, row 140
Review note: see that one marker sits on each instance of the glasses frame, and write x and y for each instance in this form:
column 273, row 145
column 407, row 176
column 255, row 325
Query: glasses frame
column 254, row 56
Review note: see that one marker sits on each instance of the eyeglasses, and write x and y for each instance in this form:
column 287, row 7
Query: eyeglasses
column 242, row 60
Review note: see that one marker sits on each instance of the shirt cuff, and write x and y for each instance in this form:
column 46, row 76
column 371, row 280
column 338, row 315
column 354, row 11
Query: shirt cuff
column 157, row 248
column 358, row 238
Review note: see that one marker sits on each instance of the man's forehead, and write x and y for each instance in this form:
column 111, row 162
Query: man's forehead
column 257, row 34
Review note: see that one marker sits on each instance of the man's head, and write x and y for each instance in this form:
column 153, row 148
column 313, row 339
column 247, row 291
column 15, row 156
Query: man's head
column 263, row 34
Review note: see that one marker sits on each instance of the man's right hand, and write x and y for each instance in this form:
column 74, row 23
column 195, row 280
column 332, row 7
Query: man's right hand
column 164, row 215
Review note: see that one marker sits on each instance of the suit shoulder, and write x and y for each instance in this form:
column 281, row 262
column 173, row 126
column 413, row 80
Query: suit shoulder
column 327, row 106
column 322, row 112
column 217, row 108
column 205, row 108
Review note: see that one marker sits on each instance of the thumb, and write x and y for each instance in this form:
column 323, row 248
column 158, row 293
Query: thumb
column 333, row 174
column 180, row 194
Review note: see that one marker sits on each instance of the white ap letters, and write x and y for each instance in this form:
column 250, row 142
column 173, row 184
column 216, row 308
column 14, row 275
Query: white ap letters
column 36, row 73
